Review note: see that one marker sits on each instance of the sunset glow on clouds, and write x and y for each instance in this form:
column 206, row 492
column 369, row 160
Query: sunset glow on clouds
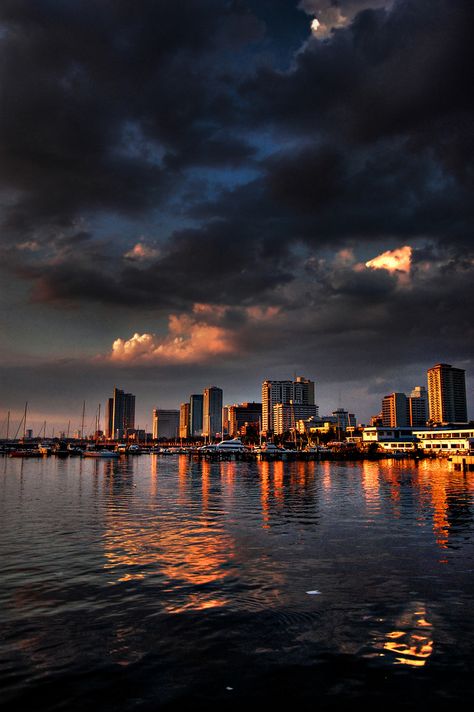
column 194, row 338
column 188, row 341
column 398, row 260
column 142, row 251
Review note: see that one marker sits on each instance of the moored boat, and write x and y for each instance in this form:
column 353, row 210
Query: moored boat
column 100, row 453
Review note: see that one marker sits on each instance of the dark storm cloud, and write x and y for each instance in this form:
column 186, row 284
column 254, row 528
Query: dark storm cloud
column 101, row 102
column 386, row 73
column 263, row 151
column 221, row 263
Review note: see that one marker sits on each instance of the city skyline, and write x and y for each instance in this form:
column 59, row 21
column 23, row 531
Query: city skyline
column 224, row 192
column 288, row 400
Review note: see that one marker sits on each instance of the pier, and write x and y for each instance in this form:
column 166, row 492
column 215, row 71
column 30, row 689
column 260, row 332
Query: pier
column 463, row 462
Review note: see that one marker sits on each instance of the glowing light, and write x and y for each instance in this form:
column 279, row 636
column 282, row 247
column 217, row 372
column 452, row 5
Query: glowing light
column 398, row 260
column 315, row 25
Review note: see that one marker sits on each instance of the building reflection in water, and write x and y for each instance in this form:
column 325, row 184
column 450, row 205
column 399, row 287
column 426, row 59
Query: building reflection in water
column 159, row 543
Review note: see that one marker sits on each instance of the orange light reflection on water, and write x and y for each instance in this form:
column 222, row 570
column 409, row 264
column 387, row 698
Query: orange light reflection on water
column 411, row 643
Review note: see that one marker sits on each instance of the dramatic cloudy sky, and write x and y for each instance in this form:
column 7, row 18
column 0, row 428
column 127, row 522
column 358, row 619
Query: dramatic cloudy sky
column 209, row 192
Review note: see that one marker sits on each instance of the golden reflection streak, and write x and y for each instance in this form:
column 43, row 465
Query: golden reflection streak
column 371, row 482
column 326, row 479
column 228, row 475
column 182, row 478
column 264, row 468
column 278, row 476
column 153, row 474
column 439, row 501
column 205, row 484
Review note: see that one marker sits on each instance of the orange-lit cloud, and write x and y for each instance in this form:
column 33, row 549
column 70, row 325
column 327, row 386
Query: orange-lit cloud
column 188, row 341
column 398, row 260
column 141, row 251
column 192, row 338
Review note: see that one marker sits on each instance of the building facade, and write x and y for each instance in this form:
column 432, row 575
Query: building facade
column 243, row 414
column 287, row 415
column 395, row 412
column 299, row 391
column 212, row 412
column 165, row 424
column 418, row 406
column 447, row 394
column 184, row 420
column 120, row 414
column 195, row 415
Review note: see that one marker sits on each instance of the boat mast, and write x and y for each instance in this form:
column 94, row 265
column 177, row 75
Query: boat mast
column 8, row 424
column 82, row 421
column 24, row 420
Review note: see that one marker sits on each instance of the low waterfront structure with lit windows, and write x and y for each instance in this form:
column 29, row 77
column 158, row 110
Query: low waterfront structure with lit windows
column 376, row 434
column 445, row 440
column 437, row 441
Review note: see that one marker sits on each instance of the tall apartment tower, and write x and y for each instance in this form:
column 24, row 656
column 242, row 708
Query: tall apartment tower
column 195, row 415
column 418, row 406
column 212, row 411
column 121, row 413
column 109, row 418
column 395, row 412
column 447, row 394
column 184, row 420
column 273, row 392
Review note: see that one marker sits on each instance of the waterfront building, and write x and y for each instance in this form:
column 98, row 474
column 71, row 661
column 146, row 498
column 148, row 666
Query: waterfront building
column 445, row 441
column 395, row 412
column 120, row 414
column 212, row 411
column 242, row 415
column 195, row 415
column 377, row 434
column 299, row 391
column 447, row 394
column 165, row 424
column 418, row 406
column 431, row 440
column 287, row 415
column 184, row 420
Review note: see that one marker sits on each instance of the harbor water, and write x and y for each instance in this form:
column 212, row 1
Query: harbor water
column 160, row 583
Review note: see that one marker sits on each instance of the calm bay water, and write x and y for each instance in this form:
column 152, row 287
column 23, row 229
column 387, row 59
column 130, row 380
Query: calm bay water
column 161, row 583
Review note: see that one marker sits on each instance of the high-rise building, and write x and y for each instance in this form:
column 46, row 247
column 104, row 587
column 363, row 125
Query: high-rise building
column 109, row 418
column 287, row 415
column 273, row 392
column 120, row 414
column 212, row 412
column 184, row 420
column 447, row 394
column 418, row 406
column 195, row 415
column 395, row 413
column 165, row 424
column 243, row 414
